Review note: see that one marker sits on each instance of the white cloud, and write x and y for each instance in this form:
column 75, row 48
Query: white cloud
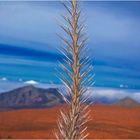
column 114, row 93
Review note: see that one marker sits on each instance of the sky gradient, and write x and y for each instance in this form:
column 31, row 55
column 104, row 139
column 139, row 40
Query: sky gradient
column 29, row 44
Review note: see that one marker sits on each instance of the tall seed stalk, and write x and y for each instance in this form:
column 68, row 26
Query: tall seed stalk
column 76, row 75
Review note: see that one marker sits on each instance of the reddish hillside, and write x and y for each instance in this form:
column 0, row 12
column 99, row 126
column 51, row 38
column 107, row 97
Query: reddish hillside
column 107, row 122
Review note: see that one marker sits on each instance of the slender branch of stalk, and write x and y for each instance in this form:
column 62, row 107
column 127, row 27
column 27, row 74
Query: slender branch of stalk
column 76, row 75
column 76, row 68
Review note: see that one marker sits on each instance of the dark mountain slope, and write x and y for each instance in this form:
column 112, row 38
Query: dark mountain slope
column 30, row 96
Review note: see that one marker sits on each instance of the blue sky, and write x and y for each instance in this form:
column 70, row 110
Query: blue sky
column 28, row 40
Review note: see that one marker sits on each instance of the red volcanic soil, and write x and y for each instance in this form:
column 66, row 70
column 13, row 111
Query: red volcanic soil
column 107, row 122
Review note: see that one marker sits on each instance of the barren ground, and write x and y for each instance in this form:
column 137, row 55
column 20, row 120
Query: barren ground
column 107, row 122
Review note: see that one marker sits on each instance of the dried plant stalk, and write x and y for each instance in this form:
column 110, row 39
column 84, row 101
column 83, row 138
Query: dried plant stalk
column 76, row 76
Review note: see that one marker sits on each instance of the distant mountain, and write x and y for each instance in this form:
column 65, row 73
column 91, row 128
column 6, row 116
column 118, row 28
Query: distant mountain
column 127, row 102
column 30, row 97
column 33, row 97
